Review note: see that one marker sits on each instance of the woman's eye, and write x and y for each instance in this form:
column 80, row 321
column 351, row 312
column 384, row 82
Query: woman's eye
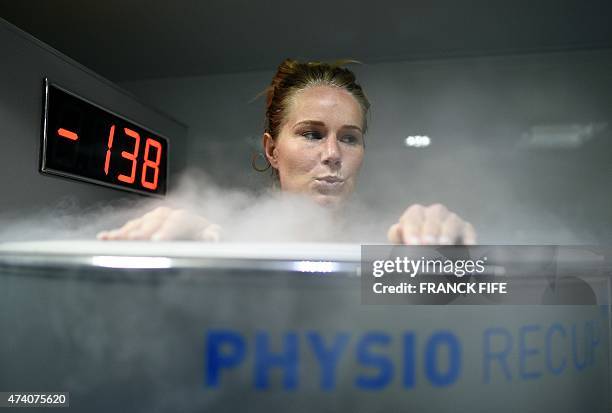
column 349, row 139
column 312, row 135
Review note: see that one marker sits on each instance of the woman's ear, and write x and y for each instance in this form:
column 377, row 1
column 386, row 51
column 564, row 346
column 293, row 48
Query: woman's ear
column 270, row 149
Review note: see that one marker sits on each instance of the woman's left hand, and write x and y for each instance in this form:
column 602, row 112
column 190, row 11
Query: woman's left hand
column 431, row 225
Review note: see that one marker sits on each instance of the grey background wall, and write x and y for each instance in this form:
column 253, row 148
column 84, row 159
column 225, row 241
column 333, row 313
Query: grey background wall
column 481, row 115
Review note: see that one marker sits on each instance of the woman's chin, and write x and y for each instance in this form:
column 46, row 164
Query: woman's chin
column 328, row 200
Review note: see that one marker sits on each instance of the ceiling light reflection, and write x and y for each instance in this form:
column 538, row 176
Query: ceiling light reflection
column 417, row 141
column 113, row 261
column 316, row 266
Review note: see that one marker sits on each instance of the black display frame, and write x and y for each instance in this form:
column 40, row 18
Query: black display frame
column 45, row 170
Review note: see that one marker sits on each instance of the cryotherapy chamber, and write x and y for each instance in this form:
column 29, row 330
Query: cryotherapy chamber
column 189, row 326
column 127, row 326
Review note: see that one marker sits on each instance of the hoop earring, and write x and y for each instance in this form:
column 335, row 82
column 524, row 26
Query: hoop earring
column 254, row 162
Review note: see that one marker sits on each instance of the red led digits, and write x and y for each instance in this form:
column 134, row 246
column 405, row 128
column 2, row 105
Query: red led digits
column 109, row 145
column 84, row 141
column 150, row 164
column 131, row 156
column 65, row 133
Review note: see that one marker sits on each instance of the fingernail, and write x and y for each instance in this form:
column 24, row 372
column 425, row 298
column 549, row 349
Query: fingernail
column 157, row 237
column 428, row 239
column 413, row 241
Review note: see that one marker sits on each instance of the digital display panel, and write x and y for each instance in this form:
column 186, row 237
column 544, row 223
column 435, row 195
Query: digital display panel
column 82, row 140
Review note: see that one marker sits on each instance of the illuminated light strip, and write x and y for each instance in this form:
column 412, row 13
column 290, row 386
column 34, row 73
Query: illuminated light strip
column 316, row 266
column 67, row 134
column 117, row 261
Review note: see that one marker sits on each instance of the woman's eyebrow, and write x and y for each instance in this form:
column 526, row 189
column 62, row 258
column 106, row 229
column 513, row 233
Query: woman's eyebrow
column 352, row 127
column 309, row 123
column 319, row 123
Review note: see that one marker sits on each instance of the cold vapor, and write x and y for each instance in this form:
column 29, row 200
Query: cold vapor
column 268, row 215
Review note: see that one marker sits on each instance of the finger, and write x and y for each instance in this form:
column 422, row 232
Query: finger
column 212, row 233
column 147, row 224
column 413, row 213
column 179, row 225
column 434, row 216
column 122, row 232
column 130, row 230
column 469, row 236
column 394, row 235
column 411, row 223
column 430, row 231
column 147, row 228
column 451, row 229
column 436, row 212
column 410, row 232
column 102, row 235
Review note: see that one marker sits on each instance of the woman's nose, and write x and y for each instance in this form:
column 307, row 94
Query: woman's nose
column 331, row 152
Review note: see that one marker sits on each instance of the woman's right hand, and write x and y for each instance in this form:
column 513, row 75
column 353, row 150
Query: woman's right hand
column 163, row 224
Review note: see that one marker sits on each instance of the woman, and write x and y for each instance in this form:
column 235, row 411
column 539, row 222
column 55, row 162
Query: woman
column 314, row 143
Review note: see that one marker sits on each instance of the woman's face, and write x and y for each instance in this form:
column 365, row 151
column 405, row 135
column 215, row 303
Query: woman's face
column 320, row 146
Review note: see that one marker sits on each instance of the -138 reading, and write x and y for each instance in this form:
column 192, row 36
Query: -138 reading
column 83, row 141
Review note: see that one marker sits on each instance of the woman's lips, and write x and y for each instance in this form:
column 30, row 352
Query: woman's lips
column 329, row 184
